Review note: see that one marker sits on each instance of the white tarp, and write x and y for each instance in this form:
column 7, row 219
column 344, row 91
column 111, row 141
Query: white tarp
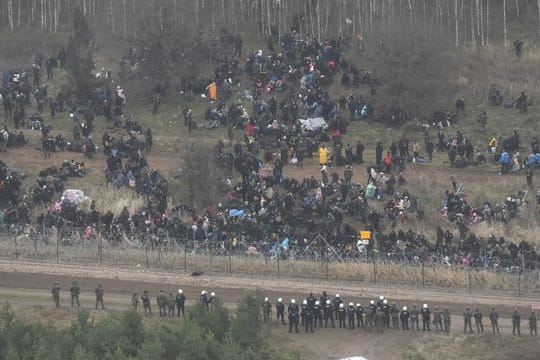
column 312, row 124
column 74, row 196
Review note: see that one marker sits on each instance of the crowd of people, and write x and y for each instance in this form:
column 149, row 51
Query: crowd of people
column 379, row 315
column 274, row 214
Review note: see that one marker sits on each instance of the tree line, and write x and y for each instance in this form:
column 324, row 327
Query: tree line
column 468, row 23
column 205, row 333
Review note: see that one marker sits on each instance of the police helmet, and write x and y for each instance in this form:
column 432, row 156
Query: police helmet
column 337, row 295
column 351, row 304
column 328, row 302
column 372, row 302
column 265, row 299
column 424, row 306
column 213, row 294
column 341, row 306
column 304, row 302
column 203, row 292
column 385, row 301
column 279, row 300
column 317, row 302
column 404, row 308
column 293, row 301
column 381, row 297
column 180, row 291
column 358, row 305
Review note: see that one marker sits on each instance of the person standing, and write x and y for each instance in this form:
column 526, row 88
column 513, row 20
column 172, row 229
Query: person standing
column 308, row 319
column 99, row 296
column 317, row 314
column 359, row 316
column 323, row 155
column 516, row 322
column 280, row 311
column 394, row 314
column 426, row 317
column 204, row 298
column 171, row 304
column 533, row 324
column 494, row 318
column 437, row 319
column 404, row 317
column 342, row 314
column 446, row 320
column 350, row 315
column 294, row 315
column 467, row 321
column 75, row 291
column 162, row 303
column 370, row 314
column 378, row 153
column 146, row 303
column 529, row 176
column 266, row 310
column 328, row 312
column 180, row 303
column 478, row 320
column 135, row 300
column 414, row 318
column 379, row 321
column 360, row 153
column 56, row 294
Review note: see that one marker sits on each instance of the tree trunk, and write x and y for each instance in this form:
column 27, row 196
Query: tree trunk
column 487, row 22
column 473, row 36
column 125, row 18
column 482, row 23
column 478, row 20
column 457, row 21
column 113, row 25
column 504, row 24
column 538, row 3
column 10, row 14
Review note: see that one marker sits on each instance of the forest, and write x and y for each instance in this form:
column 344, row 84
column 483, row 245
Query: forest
column 467, row 23
column 205, row 333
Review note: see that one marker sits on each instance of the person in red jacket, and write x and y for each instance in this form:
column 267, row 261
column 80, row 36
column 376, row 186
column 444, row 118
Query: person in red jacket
column 388, row 161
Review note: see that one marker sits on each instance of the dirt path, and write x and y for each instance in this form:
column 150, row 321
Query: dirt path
column 28, row 283
column 38, row 275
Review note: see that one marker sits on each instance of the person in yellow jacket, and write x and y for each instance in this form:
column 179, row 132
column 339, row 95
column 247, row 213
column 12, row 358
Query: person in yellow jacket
column 493, row 145
column 211, row 90
column 323, row 155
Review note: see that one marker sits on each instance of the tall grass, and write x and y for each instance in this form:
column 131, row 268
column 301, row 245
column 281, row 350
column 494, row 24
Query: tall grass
column 176, row 260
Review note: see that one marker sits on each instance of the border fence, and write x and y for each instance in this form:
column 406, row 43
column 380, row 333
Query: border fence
column 183, row 255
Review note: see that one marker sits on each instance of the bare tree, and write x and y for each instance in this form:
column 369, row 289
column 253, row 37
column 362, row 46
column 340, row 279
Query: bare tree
column 538, row 4
column 504, row 24
column 487, row 23
column 457, row 21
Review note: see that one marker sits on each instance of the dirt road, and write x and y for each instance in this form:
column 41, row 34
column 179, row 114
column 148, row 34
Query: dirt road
column 28, row 284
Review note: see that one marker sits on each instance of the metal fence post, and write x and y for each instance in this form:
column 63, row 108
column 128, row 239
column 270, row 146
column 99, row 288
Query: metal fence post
column 277, row 257
column 374, row 271
column 230, row 261
column 16, row 250
column 100, row 247
column 519, row 282
column 185, row 254
column 423, row 276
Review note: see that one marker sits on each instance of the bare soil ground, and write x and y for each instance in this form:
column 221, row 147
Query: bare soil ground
column 27, row 285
